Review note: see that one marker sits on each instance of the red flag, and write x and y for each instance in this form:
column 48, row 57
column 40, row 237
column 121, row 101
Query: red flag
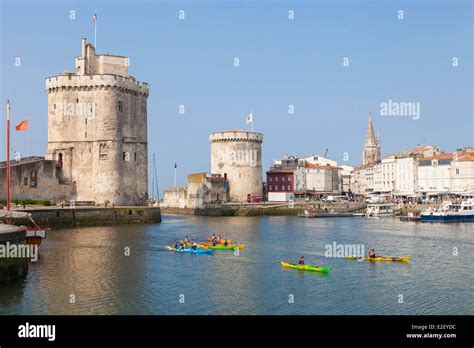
column 22, row 126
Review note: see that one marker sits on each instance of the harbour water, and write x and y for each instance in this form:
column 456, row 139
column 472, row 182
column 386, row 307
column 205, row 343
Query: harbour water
column 89, row 267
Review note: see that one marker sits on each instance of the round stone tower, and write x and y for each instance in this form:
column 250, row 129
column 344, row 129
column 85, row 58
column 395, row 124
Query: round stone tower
column 97, row 129
column 237, row 155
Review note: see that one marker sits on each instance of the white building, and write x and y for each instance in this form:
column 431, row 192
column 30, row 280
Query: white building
column 345, row 178
column 462, row 172
column 406, row 176
column 384, row 175
column 434, row 175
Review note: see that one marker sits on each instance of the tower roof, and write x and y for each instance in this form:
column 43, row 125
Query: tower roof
column 369, row 136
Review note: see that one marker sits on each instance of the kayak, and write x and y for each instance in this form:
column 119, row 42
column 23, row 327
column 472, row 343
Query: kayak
column 207, row 245
column 218, row 241
column 306, row 267
column 381, row 258
column 189, row 250
column 218, row 247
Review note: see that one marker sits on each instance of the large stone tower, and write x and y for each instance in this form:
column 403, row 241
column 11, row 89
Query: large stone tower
column 237, row 155
column 97, row 129
column 371, row 152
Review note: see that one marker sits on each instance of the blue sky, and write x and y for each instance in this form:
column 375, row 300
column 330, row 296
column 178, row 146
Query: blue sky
column 282, row 62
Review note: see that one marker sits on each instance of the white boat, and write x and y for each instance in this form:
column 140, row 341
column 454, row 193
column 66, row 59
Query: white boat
column 379, row 209
column 450, row 211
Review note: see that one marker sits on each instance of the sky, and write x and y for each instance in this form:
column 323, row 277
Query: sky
column 283, row 62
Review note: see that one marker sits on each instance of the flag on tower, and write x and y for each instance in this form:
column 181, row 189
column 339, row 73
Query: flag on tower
column 249, row 118
column 94, row 19
column 23, row 125
column 175, row 164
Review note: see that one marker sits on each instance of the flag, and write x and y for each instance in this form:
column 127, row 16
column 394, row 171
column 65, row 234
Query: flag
column 175, row 164
column 94, row 19
column 249, row 118
column 23, row 125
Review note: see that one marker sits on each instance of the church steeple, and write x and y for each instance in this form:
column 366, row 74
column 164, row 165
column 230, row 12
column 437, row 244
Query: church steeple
column 371, row 152
column 369, row 136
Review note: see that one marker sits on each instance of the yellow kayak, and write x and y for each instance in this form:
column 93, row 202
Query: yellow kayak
column 381, row 258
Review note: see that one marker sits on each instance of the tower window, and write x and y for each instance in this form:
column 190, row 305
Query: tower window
column 85, row 135
column 135, row 156
column 120, row 106
column 77, row 100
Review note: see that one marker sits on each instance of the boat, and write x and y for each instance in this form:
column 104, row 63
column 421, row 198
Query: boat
column 379, row 210
column 305, row 267
column 218, row 247
column 240, row 246
column 381, row 258
column 312, row 214
column 450, row 211
column 189, row 250
column 220, row 241
column 34, row 234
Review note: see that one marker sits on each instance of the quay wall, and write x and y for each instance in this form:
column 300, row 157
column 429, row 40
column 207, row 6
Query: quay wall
column 284, row 210
column 96, row 216
column 12, row 269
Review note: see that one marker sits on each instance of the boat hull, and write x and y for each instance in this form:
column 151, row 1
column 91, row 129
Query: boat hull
column 447, row 218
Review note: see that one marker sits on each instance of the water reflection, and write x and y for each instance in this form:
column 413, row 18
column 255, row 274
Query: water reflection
column 92, row 265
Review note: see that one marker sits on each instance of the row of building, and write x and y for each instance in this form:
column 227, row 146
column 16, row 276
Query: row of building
column 420, row 173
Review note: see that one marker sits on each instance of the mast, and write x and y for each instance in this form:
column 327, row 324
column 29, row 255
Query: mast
column 8, row 155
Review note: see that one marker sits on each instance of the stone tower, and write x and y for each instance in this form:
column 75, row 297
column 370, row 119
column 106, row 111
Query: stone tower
column 237, row 155
column 97, row 129
column 371, row 152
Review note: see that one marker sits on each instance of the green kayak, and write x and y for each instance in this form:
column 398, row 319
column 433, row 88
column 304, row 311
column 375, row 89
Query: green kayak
column 306, row 267
column 218, row 247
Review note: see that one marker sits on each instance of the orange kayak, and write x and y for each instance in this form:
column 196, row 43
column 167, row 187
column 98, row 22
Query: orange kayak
column 230, row 246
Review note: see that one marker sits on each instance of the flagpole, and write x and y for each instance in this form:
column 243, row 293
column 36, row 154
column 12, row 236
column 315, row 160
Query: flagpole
column 252, row 119
column 8, row 155
column 28, row 136
column 175, row 174
column 95, row 30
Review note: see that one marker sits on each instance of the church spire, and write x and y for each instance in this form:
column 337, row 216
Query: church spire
column 371, row 151
column 369, row 137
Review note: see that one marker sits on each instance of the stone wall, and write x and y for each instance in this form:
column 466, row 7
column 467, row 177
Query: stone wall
column 37, row 179
column 205, row 189
column 175, row 197
column 80, row 217
column 12, row 269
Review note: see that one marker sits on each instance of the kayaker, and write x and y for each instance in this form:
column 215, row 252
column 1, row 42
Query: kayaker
column 214, row 242
column 181, row 245
column 186, row 240
column 194, row 247
column 372, row 253
column 226, row 243
column 213, row 237
column 301, row 261
column 175, row 244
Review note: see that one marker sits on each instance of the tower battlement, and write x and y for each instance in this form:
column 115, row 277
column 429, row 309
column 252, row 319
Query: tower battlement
column 236, row 136
column 70, row 81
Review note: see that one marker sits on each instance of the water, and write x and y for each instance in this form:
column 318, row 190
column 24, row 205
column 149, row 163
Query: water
column 90, row 264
